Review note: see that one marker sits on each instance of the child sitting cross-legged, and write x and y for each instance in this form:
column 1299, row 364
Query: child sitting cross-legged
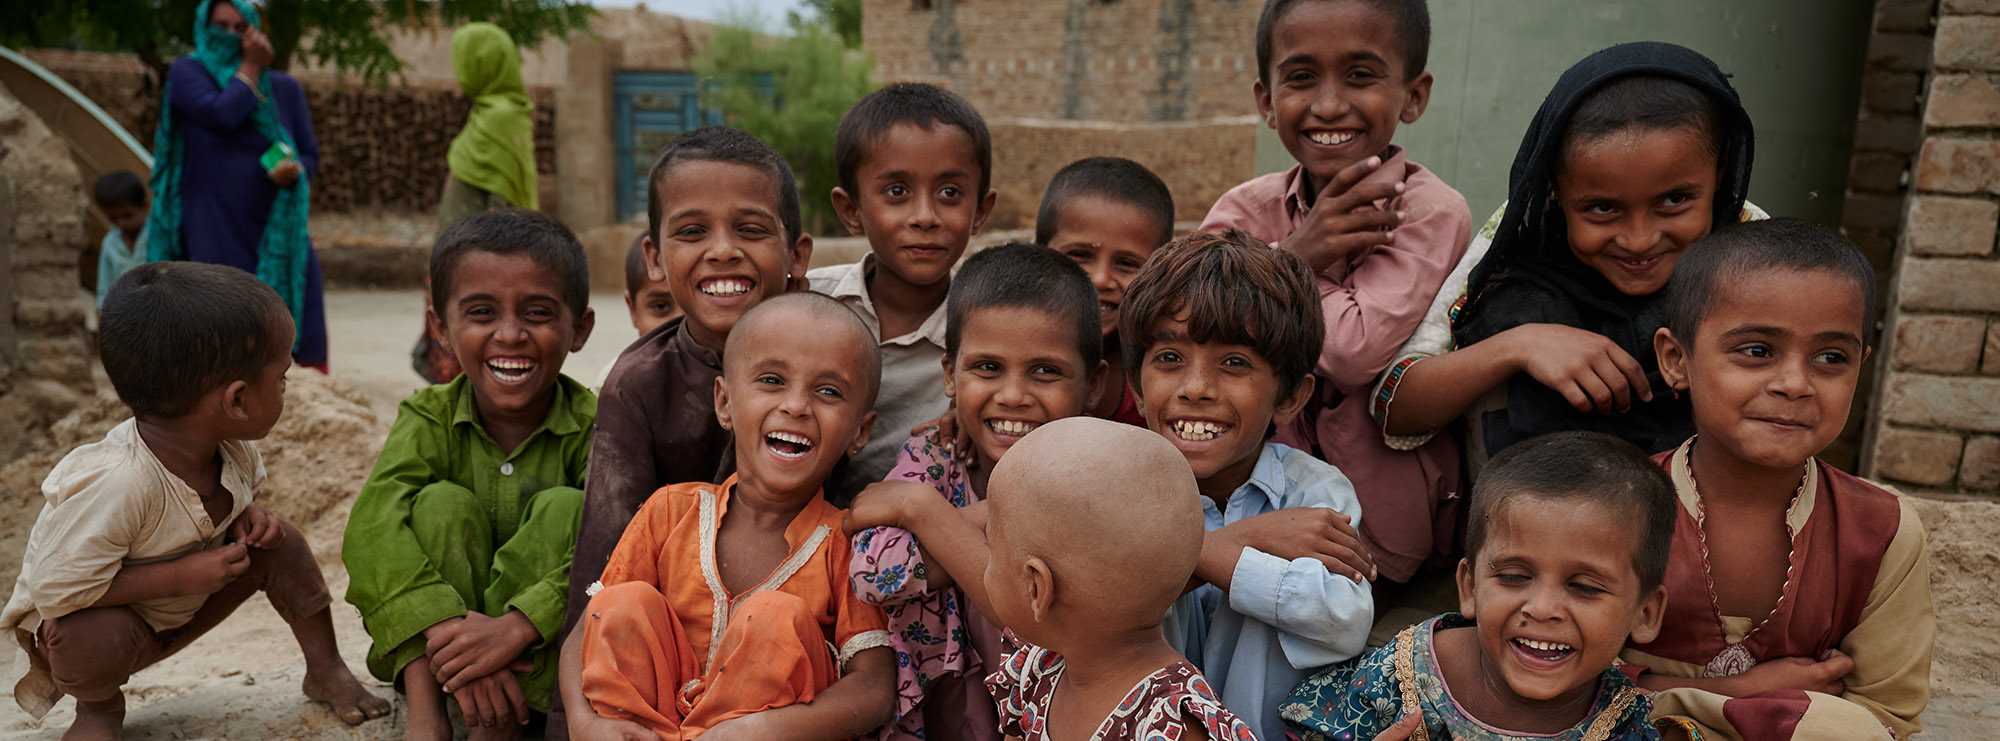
column 458, row 547
column 725, row 609
column 1021, row 350
column 1565, row 545
column 1220, row 335
column 1798, row 596
column 1086, row 594
column 149, row 537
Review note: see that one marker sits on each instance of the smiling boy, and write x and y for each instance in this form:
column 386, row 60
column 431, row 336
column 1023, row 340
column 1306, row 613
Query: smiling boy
column 1334, row 78
column 459, row 544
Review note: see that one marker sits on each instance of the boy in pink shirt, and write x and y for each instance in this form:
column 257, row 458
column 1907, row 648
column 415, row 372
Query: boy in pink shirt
column 1334, row 79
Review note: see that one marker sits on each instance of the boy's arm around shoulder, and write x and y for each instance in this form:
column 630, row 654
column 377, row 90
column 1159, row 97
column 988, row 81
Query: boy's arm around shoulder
column 1372, row 311
column 1892, row 645
column 391, row 581
column 1322, row 617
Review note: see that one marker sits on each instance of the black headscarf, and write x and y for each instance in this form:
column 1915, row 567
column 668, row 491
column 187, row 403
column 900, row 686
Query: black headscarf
column 1529, row 274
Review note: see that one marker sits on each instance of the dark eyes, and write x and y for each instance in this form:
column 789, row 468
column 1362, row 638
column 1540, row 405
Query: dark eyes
column 1166, row 356
column 828, row 391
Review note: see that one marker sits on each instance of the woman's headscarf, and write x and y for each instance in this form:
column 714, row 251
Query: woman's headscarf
column 1529, row 275
column 496, row 151
column 1532, row 242
column 282, row 251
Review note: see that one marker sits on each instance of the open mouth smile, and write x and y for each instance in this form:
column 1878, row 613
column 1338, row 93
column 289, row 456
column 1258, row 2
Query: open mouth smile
column 510, row 370
column 1198, row 430
column 788, row 445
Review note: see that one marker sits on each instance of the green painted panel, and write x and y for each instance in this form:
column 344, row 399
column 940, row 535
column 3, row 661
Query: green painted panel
column 1797, row 64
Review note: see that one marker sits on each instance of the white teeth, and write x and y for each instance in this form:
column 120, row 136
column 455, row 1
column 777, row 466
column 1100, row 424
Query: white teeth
column 1543, row 645
column 510, row 369
column 1106, row 308
column 726, row 287
column 1012, row 427
column 1330, row 137
column 511, row 364
column 1198, row 431
column 791, row 438
column 805, row 445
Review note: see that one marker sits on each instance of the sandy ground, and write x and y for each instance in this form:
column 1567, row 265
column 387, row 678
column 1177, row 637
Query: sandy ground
column 241, row 681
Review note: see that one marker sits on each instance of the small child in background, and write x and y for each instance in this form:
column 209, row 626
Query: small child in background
column 724, row 232
column 1087, row 598
column 649, row 302
column 1381, row 232
column 121, row 195
column 1798, row 596
column 725, row 609
column 149, row 538
column 1566, row 544
column 1109, row 214
column 916, row 173
column 458, row 546
column 1220, row 335
column 1021, row 351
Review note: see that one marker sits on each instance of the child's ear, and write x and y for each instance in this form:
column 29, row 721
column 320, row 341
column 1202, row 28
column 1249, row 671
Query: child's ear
column 1418, row 99
column 1290, row 406
column 802, row 252
column 985, row 209
column 722, row 404
column 849, row 211
column 436, row 323
column 1265, row 110
column 1041, row 587
column 1646, row 624
column 1466, row 604
column 232, row 401
column 949, row 390
column 1673, row 358
column 656, row 267
column 1097, row 388
column 861, row 433
column 588, row 321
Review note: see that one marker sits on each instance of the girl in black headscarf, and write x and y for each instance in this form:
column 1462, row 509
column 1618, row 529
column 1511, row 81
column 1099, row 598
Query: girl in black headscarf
column 1640, row 150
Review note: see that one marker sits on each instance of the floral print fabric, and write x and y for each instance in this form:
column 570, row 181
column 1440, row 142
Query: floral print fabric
column 1159, row 708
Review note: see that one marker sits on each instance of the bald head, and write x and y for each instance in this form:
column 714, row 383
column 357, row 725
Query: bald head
column 827, row 319
column 1112, row 508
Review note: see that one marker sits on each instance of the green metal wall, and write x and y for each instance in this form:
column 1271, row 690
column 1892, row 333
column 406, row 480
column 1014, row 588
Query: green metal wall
column 1797, row 64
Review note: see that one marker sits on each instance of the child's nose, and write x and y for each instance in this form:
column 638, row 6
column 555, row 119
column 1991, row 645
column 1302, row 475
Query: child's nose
column 1328, row 103
column 1198, row 384
column 1641, row 233
column 923, row 214
column 1792, row 379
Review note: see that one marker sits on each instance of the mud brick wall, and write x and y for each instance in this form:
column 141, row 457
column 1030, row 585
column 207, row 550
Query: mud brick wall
column 380, row 149
column 44, row 347
column 1092, row 60
column 1937, row 421
column 1199, row 160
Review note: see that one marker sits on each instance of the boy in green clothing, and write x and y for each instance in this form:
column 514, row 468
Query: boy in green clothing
column 459, row 545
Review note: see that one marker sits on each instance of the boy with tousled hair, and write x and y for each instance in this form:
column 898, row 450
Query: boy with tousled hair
column 121, row 196
column 1220, row 334
column 916, row 174
column 1799, row 599
column 1381, row 232
column 1086, row 599
column 458, row 546
column 149, row 538
column 723, row 231
column 725, row 609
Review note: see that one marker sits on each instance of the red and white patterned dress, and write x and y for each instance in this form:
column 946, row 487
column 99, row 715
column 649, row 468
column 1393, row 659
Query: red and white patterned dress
column 1159, row 708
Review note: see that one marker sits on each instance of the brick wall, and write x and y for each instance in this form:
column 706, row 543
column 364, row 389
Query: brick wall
column 380, row 149
column 45, row 351
column 1937, row 421
column 1199, row 160
column 1095, row 60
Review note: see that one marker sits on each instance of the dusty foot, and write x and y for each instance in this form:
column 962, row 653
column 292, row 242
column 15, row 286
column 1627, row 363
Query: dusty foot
column 98, row 720
column 338, row 688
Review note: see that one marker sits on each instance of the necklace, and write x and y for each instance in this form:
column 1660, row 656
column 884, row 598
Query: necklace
column 1735, row 658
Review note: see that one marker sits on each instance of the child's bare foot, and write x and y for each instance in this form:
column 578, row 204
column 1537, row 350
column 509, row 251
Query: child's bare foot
column 337, row 687
column 98, row 720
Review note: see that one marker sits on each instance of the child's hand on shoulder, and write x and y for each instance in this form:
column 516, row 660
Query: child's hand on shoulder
column 257, row 528
column 1318, row 533
column 890, row 504
column 1590, row 371
column 208, row 571
column 1797, row 673
column 1344, row 220
column 945, row 432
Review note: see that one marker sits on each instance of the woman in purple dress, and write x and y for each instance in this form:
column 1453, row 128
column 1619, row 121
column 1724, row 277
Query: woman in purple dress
column 232, row 161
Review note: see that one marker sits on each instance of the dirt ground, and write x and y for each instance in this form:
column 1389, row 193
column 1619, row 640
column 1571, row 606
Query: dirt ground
column 241, row 681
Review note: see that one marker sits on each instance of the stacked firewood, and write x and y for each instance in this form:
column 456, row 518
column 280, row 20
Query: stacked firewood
column 385, row 149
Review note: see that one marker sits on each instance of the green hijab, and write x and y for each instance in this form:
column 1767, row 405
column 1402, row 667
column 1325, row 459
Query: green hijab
column 496, row 151
column 282, row 251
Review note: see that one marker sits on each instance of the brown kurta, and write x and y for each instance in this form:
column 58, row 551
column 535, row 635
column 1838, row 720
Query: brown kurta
column 655, row 426
column 1858, row 582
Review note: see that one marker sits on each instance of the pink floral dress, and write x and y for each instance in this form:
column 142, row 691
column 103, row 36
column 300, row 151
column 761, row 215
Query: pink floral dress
column 1159, row 708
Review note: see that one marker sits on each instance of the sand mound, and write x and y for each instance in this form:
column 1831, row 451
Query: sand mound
column 317, row 456
column 1965, row 586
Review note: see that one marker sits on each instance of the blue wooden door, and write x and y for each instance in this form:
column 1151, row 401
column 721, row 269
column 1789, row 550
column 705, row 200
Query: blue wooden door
column 649, row 109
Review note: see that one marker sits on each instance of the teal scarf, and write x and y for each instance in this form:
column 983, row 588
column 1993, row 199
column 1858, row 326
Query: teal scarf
column 282, row 252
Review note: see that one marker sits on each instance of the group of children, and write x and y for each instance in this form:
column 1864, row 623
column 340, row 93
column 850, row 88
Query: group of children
column 1107, row 485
